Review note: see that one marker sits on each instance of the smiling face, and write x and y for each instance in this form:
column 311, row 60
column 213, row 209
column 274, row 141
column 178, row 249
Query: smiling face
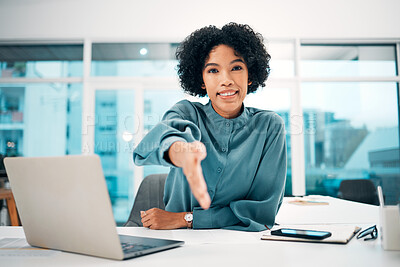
column 225, row 78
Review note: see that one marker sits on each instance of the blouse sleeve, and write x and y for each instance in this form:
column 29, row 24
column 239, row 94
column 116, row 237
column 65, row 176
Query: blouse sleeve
column 258, row 210
column 173, row 127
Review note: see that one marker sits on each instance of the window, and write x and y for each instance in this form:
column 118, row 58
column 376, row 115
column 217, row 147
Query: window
column 40, row 119
column 158, row 102
column 114, row 130
column 348, row 60
column 348, row 96
column 351, row 128
column 347, row 126
column 133, row 59
column 41, row 60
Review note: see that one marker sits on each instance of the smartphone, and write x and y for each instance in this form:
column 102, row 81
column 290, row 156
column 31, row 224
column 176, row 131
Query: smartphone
column 308, row 234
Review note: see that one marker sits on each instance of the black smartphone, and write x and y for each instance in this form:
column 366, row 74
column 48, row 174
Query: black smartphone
column 308, row 234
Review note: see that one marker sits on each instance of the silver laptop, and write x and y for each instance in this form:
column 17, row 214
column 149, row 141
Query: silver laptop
column 64, row 204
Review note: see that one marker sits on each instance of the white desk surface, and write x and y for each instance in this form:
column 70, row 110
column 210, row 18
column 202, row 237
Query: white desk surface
column 235, row 248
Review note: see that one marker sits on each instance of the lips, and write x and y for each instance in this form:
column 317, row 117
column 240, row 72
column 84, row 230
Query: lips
column 227, row 93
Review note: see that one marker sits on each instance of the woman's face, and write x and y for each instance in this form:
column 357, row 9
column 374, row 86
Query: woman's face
column 225, row 77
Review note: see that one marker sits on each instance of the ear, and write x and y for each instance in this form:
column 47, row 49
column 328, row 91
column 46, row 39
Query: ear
column 203, row 86
column 250, row 82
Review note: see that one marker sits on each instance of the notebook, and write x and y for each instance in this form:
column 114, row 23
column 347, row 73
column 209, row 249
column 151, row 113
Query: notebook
column 64, row 204
column 341, row 234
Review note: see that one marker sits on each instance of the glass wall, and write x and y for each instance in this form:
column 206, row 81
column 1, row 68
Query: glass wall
column 156, row 103
column 136, row 60
column 349, row 98
column 351, row 129
column 41, row 60
column 40, row 119
column 40, row 100
column 348, row 128
column 133, row 59
column 114, row 130
column 348, row 61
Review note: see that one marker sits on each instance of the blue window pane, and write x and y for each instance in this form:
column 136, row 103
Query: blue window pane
column 114, row 132
column 41, row 61
column 156, row 103
column 142, row 68
column 134, row 59
column 351, row 131
column 348, row 61
column 40, row 119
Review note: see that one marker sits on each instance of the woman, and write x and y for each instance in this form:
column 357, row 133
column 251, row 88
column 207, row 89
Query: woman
column 228, row 162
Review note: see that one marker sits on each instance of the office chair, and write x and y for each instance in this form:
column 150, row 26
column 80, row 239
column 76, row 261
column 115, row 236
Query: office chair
column 359, row 190
column 150, row 195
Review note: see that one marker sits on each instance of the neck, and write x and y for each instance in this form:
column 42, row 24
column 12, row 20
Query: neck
column 229, row 115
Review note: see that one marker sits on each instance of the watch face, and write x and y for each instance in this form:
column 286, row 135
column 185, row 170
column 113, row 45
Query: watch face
column 188, row 217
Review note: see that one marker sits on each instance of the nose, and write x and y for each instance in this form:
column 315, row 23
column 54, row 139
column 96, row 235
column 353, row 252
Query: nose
column 226, row 79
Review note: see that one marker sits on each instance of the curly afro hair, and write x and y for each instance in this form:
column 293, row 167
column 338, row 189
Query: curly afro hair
column 193, row 52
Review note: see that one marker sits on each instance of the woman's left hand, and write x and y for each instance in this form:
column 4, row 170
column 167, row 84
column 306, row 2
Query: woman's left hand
column 163, row 220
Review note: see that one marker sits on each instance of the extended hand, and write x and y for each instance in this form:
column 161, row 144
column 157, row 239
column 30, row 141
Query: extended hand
column 188, row 156
column 162, row 220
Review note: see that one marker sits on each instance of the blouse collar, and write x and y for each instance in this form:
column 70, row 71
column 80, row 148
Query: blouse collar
column 237, row 122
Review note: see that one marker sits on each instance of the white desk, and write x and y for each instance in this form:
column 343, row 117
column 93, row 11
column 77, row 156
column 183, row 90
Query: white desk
column 233, row 248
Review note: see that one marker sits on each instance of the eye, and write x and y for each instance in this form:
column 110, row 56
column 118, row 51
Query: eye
column 237, row 68
column 212, row 71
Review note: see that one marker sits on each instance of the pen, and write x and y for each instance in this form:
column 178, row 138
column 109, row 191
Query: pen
column 380, row 196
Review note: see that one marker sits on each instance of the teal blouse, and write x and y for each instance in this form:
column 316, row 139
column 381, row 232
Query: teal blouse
column 245, row 167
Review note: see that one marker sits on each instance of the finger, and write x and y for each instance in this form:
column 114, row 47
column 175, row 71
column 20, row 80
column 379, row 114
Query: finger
column 199, row 188
column 194, row 174
column 147, row 212
column 146, row 219
column 142, row 214
column 150, row 211
column 147, row 224
column 203, row 198
column 196, row 179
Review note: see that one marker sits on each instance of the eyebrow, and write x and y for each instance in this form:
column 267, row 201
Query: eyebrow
column 233, row 61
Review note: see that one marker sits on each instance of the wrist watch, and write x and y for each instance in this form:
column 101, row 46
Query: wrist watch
column 189, row 220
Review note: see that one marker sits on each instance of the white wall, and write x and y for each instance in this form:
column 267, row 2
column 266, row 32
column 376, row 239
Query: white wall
column 172, row 20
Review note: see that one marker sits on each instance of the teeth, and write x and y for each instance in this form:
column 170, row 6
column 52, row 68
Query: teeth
column 227, row 94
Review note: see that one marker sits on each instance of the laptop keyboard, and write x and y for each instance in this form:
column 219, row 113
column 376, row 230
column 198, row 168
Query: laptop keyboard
column 134, row 247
